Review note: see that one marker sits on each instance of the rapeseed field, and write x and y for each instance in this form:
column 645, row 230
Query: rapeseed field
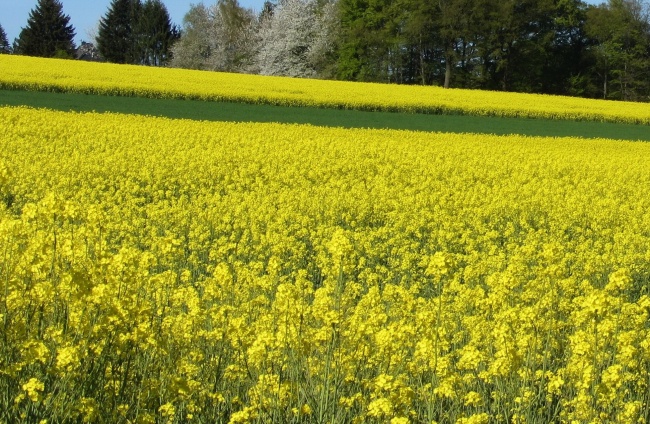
column 30, row 73
column 158, row 270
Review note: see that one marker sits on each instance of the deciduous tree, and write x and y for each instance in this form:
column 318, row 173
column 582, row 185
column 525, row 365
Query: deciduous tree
column 367, row 40
column 451, row 17
column 286, row 37
column 322, row 52
column 621, row 31
column 194, row 48
column 221, row 37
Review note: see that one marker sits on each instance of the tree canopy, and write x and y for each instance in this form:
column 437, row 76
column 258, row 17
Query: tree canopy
column 219, row 37
column 116, row 37
column 4, row 43
column 138, row 33
column 290, row 38
column 543, row 46
column 155, row 34
column 48, row 32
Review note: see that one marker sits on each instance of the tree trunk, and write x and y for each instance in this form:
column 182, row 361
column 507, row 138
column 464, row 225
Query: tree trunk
column 447, row 71
column 422, row 63
column 626, row 97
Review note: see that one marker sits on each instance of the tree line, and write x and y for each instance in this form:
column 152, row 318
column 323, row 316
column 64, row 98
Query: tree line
column 131, row 31
column 543, row 46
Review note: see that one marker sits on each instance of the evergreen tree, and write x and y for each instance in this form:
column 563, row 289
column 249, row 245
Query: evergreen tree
column 48, row 32
column 155, row 34
column 4, row 44
column 137, row 33
column 116, row 38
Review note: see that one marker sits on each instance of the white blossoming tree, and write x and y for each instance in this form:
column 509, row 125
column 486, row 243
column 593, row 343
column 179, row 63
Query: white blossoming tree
column 297, row 37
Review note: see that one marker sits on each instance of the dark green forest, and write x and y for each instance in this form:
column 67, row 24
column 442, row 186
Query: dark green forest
column 542, row 46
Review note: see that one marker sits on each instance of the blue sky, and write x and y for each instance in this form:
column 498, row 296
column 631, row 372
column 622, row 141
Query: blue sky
column 85, row 14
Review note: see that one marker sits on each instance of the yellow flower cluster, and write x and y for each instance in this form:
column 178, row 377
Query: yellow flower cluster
column 95, row 78
column 154, row 270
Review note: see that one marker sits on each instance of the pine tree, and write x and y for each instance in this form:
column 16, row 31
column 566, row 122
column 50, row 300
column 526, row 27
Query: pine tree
column 116, row 40
column 48, row 32
column 137, row 33
column 4, row 44
column 155, row 34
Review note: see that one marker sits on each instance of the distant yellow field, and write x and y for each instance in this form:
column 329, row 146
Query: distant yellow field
column 76, row 76
column 154, row 270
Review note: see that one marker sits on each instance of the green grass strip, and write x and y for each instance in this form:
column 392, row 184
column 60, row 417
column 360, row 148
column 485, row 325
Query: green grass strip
column 241, row 112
